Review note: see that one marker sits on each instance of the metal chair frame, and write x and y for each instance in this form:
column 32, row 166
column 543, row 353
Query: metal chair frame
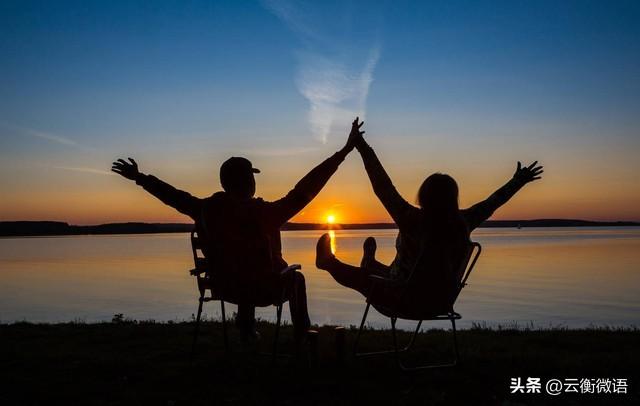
column 204, row 276
column 452, row 316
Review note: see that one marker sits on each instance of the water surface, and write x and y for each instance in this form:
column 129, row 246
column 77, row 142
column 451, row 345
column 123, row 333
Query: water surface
column 573, row 277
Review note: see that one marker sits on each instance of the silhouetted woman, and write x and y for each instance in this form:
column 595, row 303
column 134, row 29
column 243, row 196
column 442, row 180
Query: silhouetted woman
column 438, row 227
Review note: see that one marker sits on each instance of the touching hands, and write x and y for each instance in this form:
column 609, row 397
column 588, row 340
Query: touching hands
column 528, row 173
column 355, row 136
column 126, row 169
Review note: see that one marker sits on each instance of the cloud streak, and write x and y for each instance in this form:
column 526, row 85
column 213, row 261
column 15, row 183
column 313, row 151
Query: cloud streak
column 334, row 82
column 46, row 136
column 84, row 170
column 336, row 93
column 54, row 138
column 277, row 152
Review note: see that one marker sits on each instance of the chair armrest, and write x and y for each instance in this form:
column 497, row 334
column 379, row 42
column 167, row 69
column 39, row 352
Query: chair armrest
column 201, row 267
column 290, row 269
column 197, row 271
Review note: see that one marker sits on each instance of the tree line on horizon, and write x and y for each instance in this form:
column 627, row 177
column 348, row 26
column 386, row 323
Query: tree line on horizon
column 44, row 228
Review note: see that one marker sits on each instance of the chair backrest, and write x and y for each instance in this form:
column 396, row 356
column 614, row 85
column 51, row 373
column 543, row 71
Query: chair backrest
column 245, row 251
column 217, row 253
column 467, row 263
column 473, row 253
column 199, row 260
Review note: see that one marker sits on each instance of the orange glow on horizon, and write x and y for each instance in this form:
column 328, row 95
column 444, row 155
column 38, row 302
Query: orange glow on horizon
column 347, row 199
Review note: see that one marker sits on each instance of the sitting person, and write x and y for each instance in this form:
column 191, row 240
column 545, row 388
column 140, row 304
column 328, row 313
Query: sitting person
column 243, row 232
column 438, row 227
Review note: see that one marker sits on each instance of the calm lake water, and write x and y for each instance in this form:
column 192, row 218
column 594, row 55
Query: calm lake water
column 572, row 277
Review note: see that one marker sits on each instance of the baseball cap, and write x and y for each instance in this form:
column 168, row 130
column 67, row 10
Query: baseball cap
column 236, row 167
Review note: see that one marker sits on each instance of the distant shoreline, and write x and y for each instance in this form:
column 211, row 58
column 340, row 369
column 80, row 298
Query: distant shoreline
column 53, row 228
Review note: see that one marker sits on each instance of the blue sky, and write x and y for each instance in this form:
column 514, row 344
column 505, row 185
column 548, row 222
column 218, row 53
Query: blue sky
column 462, row 87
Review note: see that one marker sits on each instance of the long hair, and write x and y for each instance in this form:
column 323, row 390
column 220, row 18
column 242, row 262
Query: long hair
column 438, row 198
column 445, row 234
column 438, row 195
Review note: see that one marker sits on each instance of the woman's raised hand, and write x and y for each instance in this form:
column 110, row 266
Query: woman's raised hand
column 528, row 173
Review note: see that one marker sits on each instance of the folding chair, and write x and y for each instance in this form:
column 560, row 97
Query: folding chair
column 211, row 280
column 394, row 312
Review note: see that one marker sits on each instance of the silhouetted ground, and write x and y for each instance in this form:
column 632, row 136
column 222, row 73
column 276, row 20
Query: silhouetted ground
column 148, row 363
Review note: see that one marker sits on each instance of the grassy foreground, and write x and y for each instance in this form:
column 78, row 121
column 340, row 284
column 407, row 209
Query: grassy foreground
column 148, row 363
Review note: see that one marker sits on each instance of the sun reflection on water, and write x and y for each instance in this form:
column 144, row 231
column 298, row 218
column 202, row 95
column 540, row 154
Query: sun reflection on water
column 332, row 235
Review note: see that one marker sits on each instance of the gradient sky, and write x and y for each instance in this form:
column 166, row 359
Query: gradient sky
column 466, row 88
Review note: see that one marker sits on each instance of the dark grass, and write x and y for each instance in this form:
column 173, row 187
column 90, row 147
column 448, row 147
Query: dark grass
column 148, row 363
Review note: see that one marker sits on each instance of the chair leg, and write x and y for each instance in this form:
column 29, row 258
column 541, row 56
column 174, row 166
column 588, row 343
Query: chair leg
column 224, row 326
column 277, row 332
column 450, row 364
column 398, row 351
column 364, row 318
column 455, row 342
column 413, row 337
column 395, row 342
column 197, row 328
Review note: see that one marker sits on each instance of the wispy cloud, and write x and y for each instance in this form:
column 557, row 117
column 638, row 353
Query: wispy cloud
column 54, row 138
column 277, row 152
column 84, row 170
column 335, row 85
column 336, row 93
column 294, row 17
column 45, row 136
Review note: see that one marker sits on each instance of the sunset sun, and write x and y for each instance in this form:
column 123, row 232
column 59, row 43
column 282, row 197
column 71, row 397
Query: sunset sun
column 331, row 219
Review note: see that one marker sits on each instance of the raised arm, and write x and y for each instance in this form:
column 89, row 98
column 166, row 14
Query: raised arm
column 381, row 182
column 178, row 199
column 312, row 183
column 481, row 211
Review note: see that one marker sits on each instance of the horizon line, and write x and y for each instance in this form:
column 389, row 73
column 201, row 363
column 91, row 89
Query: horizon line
column 322, row 223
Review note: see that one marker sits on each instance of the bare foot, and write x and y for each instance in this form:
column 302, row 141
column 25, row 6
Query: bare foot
column 324, row 257
column 368, row 252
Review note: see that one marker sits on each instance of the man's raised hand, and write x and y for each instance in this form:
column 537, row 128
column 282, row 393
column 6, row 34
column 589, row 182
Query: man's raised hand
column 528, row 173
column 127, row 169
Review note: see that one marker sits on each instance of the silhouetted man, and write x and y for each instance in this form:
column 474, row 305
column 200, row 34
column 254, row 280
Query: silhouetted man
column 243, row 232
